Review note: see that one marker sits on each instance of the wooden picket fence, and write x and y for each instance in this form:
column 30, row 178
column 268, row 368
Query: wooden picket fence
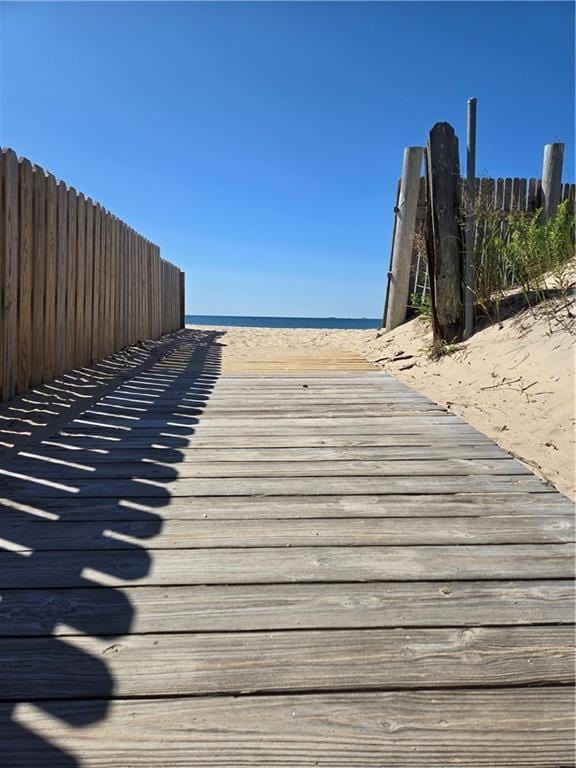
column 76, row 283
column 506, row 195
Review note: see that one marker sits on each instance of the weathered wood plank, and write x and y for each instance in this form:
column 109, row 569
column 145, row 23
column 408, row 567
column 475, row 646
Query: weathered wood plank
column 27, row 487
column 100, row 418
column 111, row 612
column 519, row 728
column 277, row 405
column 272, row 565
column 253, row 402
column 121, row 453
column 315, row 660
column 44, row 467
column 132, row 441
column 291, row 507
column 37, row 535
column 108, row 426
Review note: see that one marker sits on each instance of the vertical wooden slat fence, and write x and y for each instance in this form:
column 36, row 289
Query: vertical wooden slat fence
column 506, row 195
column 76, row 283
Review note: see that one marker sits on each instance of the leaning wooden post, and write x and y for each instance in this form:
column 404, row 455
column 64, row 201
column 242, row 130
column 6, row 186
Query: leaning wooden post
column 445, row 237
column 399, row 279
column 551, row 179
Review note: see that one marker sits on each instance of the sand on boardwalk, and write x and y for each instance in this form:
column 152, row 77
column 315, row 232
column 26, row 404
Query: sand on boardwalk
column 513, row 381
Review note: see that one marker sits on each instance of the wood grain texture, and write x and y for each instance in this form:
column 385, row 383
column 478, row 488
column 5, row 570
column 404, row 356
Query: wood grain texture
column 77, row 451
column 97, row 286
column 46, row 467
column 26, row 234
column 39, row 279
column 89, row 285
column 294, row 507
column 206, row 534
column 270, row 565
column 80, row 293
column 61, row 282
column 519, row 728
column 70, row 328
column 103, row 612
column 9, row 280
column 242, row 663
column 182, row 442
column 52, row 265
column 28, row 487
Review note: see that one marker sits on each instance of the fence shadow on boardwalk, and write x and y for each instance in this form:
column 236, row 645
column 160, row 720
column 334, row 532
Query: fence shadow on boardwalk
column 48, row 582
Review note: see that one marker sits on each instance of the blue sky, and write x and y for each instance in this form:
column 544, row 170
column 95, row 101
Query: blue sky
column 259, row 143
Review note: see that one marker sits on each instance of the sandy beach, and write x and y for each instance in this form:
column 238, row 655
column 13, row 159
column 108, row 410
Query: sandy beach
column 513, row 381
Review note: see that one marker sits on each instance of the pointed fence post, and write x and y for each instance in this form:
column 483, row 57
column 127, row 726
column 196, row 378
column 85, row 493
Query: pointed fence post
column 551, row 179
column 405, row 227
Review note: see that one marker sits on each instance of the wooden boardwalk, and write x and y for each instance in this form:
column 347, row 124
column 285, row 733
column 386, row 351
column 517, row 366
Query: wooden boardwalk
column 280, row 561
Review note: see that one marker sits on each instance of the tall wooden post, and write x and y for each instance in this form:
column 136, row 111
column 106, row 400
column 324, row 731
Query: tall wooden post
column 551, row 179
column 405, row 227
column 444, row 235
column 470, row 192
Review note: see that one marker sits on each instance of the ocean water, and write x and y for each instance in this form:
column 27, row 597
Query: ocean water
column 358, row 323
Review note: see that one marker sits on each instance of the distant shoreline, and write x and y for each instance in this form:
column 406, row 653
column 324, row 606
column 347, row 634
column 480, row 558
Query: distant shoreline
column 328, row 323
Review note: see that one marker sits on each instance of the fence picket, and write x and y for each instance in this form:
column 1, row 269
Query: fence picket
column 532, row 198
column 39, row 259
column 89, row 284
column 61, row 276
column 8, row 273
column 52, row 254
column 25, row 250
column 97, row 282
column 522, row 194
column 69, row 329
column 78, row 339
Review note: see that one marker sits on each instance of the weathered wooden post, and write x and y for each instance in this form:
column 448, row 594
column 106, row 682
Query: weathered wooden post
column 405, row 227
column 444, row 235
column 470, row 194
column 551, row 179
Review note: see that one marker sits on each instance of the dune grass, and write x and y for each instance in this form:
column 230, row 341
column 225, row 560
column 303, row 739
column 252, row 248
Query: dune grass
column 516, row 253
column 520, row 251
